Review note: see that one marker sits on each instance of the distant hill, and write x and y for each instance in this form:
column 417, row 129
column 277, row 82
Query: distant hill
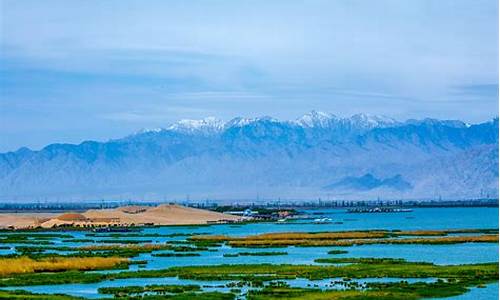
column 368, row 182
column 317, row 155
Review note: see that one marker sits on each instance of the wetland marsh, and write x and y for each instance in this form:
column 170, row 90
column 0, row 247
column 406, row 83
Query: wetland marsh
column 427, row 253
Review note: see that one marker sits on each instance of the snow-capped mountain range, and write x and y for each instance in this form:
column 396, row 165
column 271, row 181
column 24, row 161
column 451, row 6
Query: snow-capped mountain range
column 317, row 155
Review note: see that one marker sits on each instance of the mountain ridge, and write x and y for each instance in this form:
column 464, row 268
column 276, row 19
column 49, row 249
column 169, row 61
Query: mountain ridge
column 241, row 158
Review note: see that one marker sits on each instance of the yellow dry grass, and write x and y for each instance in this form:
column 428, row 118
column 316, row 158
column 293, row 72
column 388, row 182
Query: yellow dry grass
column 443, row 232
column 283, row 236
column 9, row 266
column 361, row 241
column 486, row 238
column 318, row 236
column 348, row 238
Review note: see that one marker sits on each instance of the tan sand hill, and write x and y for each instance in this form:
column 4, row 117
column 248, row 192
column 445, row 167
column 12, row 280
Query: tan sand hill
column 167, row 214
column 24, row 220
column 72, row 217
column 190, row 215
column 163, row 215
column 133, row 209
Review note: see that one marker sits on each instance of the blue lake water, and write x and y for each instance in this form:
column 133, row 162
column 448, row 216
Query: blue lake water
column 490, row 292
column 422, row 218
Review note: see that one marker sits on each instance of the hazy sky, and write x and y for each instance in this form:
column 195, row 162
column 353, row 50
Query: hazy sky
column 75, row 70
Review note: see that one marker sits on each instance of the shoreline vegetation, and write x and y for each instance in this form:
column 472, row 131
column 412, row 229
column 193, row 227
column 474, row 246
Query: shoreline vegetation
column 347, row 267
column 339, row 268
column 350, row 238
column 42, row 245
column 126, row 250
column 451, row 279
column 25, row 265
column 50, row 258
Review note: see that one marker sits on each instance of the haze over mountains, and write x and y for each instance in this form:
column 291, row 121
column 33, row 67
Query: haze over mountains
column 317, row 155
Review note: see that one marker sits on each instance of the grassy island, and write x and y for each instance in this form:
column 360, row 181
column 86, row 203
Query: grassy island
column 23, row 265
column 350, row 238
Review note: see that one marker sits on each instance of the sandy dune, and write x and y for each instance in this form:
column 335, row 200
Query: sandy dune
column 167, row 214
column 24, row 220
column 162, row 215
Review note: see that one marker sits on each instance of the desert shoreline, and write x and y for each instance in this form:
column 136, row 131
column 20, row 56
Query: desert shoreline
column 125, row 216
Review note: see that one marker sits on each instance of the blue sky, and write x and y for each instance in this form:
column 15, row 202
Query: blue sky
column 77, row 70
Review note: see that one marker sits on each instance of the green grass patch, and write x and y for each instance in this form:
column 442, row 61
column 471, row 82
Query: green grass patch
column 156, row 288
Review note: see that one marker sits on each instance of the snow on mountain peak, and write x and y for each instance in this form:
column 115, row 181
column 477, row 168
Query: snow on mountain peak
column 322, row 119
column 372, row 121
column 240, row 122
column 148, row 130
column 209, row 124
column 408, row 161
column 315, row 119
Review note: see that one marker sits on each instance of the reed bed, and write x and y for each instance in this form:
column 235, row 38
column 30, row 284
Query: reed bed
column 294, row 236
column 22, row 265
column 443, row 232
column 349, row 238
column 356, row 268
column 429, row 241
column 351, row 242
